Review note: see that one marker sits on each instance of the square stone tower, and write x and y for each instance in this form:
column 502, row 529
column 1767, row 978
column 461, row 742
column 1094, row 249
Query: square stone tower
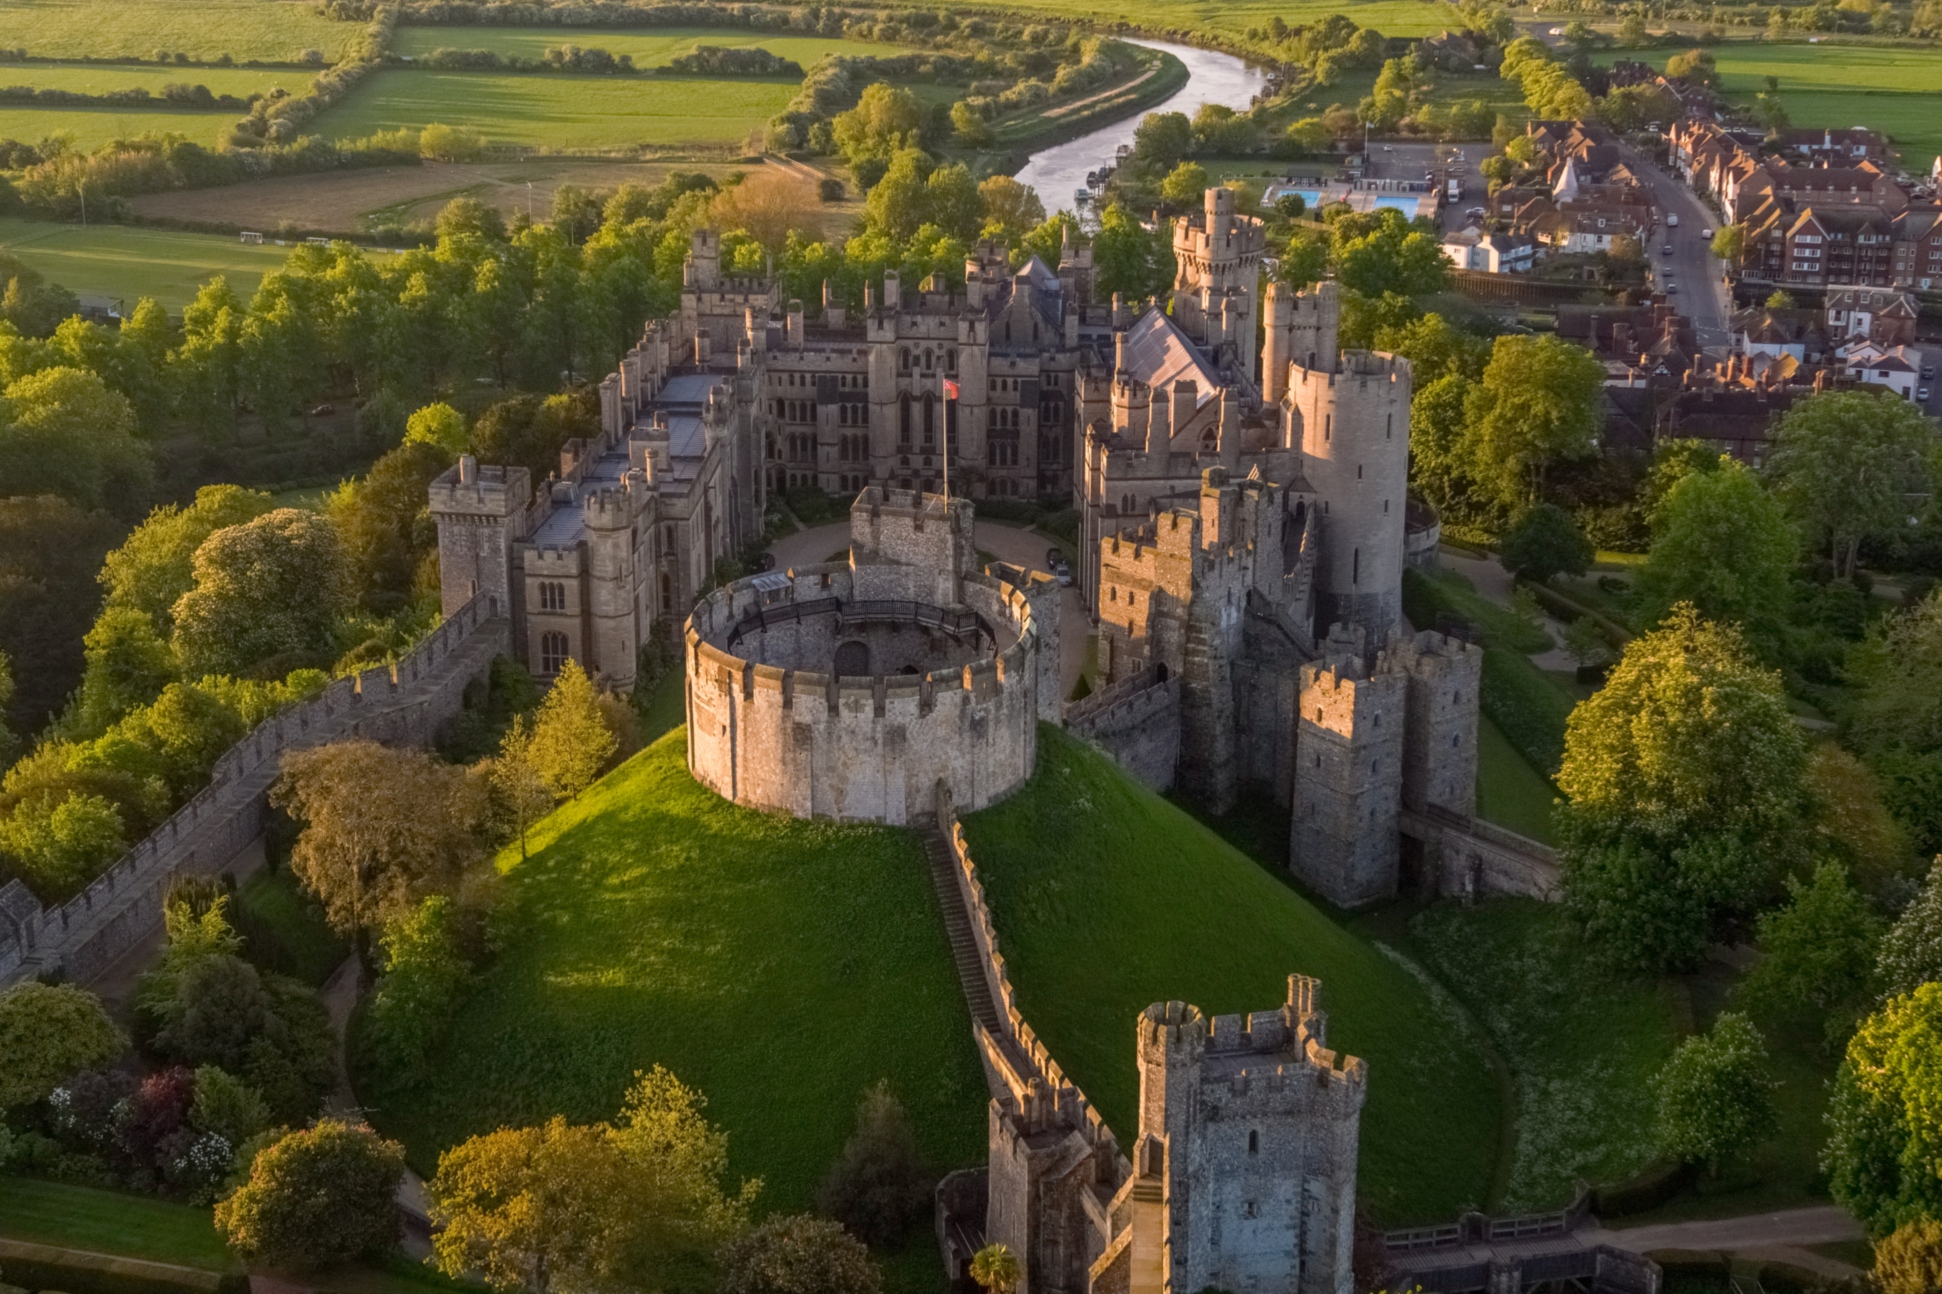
column 1347, row 842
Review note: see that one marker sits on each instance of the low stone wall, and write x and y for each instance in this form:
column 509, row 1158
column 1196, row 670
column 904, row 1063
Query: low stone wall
column 1469, row 858
column 405, row 702
column 1136, row 722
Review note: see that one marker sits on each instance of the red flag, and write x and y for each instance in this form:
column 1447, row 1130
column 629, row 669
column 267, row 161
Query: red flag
column 950, row 389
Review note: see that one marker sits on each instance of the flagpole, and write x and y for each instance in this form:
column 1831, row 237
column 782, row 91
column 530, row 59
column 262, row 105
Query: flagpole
column 950, row 402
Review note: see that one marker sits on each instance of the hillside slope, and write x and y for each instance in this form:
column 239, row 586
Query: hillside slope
column 780, row 966
column 1107, row 898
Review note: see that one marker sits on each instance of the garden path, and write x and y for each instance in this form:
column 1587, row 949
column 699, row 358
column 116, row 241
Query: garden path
column 340, row 993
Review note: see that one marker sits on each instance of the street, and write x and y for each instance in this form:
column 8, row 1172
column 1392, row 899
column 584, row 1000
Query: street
column 1702, row 295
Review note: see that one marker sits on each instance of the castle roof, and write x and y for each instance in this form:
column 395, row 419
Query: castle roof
column 1159, row 354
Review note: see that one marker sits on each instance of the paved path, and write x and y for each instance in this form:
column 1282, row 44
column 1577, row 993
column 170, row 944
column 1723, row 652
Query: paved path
column 1491, row 580
column 1788, row 1228
column 340, row 993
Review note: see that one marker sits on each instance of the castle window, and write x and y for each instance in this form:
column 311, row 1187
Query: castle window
column 930, row 419
column 1455, row 741
column 903, row 421
column 1254, row 1143
column 1132, row 598
column 552, row 652
column 950, row 361
column 1328, row 425
column 667, row 593
column 905, row 354
column 927, row 361
column 1355, row 567
column 1250, row 1209
column 1358, row 471
column 1389, row 430
column 552, row 595
column 1318, row 719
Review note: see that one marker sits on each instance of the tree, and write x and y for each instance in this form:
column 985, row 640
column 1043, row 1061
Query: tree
column 1127, row 259
column 519, row 792
column 128, row 666
column 1729, row 243
column 316, row 1197
column 227, row 1107
column 1911, row 951
column 50, row 551
column 425, row 976
column 885, row 119
column 526, row 1208
column 383, row 829
column 1382, row 253
column 1163, row 139
column 1715, row 1098
column 1883, row 1157
column 155, row 565
column 1185, row 185
column 1845, row 463
column 1011, row 209
column 440, row 426
column 1723, row 544
column 48, row 1032
column 970, row 127
column 1909, row 1261
column 878, row 1185
column 900, row 202
column 680, row 1160
column 1684, row 786
column 1438, row 462
column 1780, row 299
column 385, row 525
column 1897, row 721
column 798, row 1254
column 1820, row 952
column 1545, row 541
column 1304, row 261
column 64, row 432
column 1541, row 400
column 996, row 1268
column 275, row 586
column 571, row 742
column 59, row 845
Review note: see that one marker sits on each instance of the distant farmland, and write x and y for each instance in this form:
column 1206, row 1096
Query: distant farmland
column 124, row 263
column 559, row 111
column 649, row 47
column 101, row 78
column 93, row 127
column 268, row 30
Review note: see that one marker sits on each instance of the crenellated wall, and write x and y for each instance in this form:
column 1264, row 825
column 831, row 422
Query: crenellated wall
column 405, row 702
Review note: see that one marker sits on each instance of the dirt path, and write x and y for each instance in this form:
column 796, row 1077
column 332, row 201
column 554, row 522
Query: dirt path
column 1055, row 113
column 340, row 993
column 1495, row 583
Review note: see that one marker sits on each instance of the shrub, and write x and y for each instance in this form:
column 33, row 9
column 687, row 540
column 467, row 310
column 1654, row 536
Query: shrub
column 316, row 1197
column 1715, row 1098
column 798, row 1254
column 48, row 1032
column 878, row 1185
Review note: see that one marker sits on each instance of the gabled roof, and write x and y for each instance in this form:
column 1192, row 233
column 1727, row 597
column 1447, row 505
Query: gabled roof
column 1159, row 354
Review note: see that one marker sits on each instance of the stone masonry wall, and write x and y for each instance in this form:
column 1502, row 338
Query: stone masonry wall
column 1136, row 721
column 405, row 702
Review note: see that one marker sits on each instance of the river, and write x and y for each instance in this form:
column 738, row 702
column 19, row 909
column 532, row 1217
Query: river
column 1058, row 171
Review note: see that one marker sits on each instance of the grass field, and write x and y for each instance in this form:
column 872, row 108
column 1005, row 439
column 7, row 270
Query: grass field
column 90, row 128
column 780, row 966
column 79, row 1217
column 1510, row 792
column 1391, row 17
column 129, row 263
column 561, row 111
column 650, row 47
column 1108, row 898
column 100, row 78
column 1580, row 1047
column 268, row 30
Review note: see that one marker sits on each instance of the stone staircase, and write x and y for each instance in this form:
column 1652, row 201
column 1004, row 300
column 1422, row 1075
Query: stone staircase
column 957, row 928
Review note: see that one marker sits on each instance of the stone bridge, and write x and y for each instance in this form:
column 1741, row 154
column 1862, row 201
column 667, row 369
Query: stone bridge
column 401, row 703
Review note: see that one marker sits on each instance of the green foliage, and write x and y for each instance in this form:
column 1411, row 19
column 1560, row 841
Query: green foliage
column 1304, row 260
column 272, row 587
column 316, row 1197
column 571, row 741
column 878, row 1186
column 1897, row 720
column 384, row 523
column 1819, row 953
column 1911, row 951
column 57, row 846
column 1684, row 780
column 64, row 432
column 47, row 1032
column 1884, row 1150
column 1715, row 1096
column 1185, row 184
column 1540, row 402
column 1844, row 463
column 1382, row 252
column 1438, row 458
column 1545, row 541
column 1163, row 139
column 128, row 666
column 1723, row 544
column 798, row 1254
column 1909, row 1261
column 996, row 1268
column 228, row 1107
column 438, row 425
column 425, row 976
column 1127, row 259
column 886, row 119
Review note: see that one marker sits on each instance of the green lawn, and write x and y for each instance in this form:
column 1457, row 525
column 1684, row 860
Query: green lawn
column 100, row 78
column 1108, row 898
column 780, row 966
column 594, row 112
column 80, row 1217
column 1580, row 1047
column 1510, row 792
column 269, row 30
column 128, row 263
column 650, row 47
column 93, row 127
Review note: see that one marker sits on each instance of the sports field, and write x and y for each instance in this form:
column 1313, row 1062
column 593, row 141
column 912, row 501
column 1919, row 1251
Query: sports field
column 649, row 47
column 125, row 263
column 101, row 78
column 1108, row 898
column 269, row 30
column 544, row 110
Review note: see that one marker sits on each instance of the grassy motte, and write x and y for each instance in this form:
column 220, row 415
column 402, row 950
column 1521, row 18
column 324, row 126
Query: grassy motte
column 1581, row 1047
column 110, row 1222
column 558, row 110
column 780, row 966
column 1108, row 897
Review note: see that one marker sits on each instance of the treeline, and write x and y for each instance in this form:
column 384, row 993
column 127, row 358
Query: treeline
column 559, row 58
column 714, row 60
column 175, row 95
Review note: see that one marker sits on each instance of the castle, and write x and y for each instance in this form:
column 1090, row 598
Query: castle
column 1243, row 523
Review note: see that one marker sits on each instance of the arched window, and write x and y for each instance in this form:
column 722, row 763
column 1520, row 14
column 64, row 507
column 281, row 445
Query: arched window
column 552, row 652
column 950, row 361
column 905, row 355
column 930, row 419
column 928, row 357
column 667, row 593
column 552, row 595
column 903, row 419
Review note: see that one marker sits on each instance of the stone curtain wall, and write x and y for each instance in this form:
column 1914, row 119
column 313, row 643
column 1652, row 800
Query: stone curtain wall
column 1467, row 858
column 405, row 702
column 1136, row 721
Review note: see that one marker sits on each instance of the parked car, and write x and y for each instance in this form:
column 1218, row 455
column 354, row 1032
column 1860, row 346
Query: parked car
column 1928, row 372
column 1062, row 572
column 1666, row 250
column 1671, row 289
column 1923, row 395
column 1705, row 233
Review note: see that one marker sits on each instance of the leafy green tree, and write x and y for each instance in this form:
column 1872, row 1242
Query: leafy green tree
column 1883, row 1157
column 1729, row 243
column 1304, row 261
column 1383, row 252
column 1163, row 139
column 886, row 119
column 1435, row 348
column 1545, row 541
column 275, row 586
column 571, row 740
column 128, row 665
column 1129, row 260
column 438, row 425
column 1438, row 460
column 48, row 1032
column 1715, row 1098
column 1684, row 785
column 878, row 1186
column 1819, row 953
column 58, row 846
column 50, row 551
column 1845, row 462
column 1909, row 1261
column 1897, row 720
column 996, row 1268
column 1911, row 951
column 1011, row 209
column 1540, row 402
column 519, row 792
column 1723, row 544
column 969, row 126
column 1185, row 184
column 798, row 1254
column 155, row 565
column 64, row 432
column 384, row 522
column 425, row 975
column 1309, row 135
column 228, row 1107
column 316, row 1198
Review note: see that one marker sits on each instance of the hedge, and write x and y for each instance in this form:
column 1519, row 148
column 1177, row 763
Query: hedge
column 76, row 1271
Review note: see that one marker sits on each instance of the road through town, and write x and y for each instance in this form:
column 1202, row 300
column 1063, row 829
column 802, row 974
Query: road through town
column 1692, row 269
